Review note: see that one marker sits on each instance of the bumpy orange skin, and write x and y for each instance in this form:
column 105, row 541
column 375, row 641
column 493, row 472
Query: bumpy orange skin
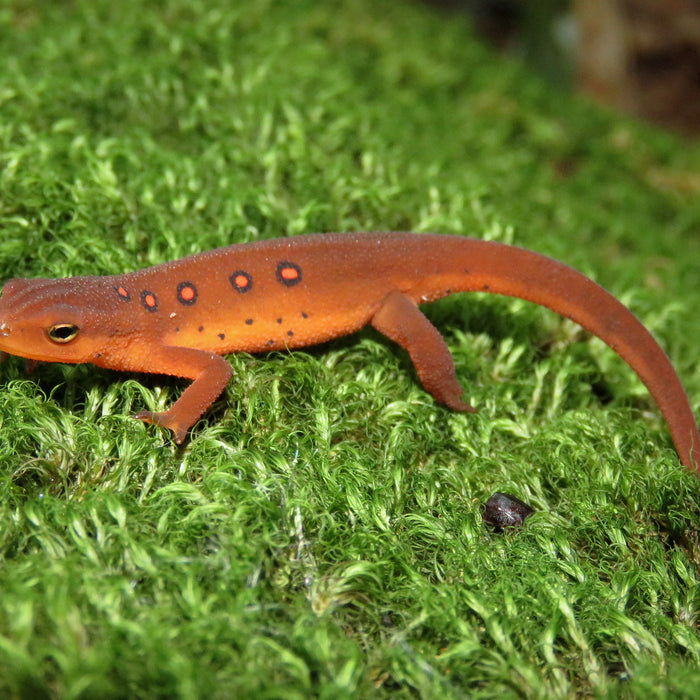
column 180, row 317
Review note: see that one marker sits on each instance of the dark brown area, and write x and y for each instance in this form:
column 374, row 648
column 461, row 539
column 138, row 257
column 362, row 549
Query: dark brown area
column 639, row 56
column 643, row 56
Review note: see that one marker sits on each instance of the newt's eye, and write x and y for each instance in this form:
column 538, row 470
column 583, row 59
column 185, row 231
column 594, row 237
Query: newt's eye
column 62, row 332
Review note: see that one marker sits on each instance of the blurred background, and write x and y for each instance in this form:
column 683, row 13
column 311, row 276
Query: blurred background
column 639, row 56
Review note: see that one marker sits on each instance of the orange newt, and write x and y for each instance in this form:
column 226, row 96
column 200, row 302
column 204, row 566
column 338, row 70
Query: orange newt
column 180, row 317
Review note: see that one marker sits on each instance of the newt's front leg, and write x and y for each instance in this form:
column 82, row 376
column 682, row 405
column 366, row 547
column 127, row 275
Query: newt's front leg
column 210, row 373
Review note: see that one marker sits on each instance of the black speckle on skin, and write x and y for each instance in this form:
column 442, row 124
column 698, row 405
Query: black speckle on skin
column 200, row 329
column 290, row 333
column 221, row 336
column 304, row 314
column 279, row 320
column 249, row 322
column 503, row 510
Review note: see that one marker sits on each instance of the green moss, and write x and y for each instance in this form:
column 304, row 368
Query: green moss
column 320, row 535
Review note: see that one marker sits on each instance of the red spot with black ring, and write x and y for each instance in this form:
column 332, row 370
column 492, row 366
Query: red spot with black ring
column 288, row 273
column 149, row 300
column 241, row 281
column 123, row 293
column 186, row 293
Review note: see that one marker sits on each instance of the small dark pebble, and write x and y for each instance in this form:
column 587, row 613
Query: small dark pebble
column 503, row 510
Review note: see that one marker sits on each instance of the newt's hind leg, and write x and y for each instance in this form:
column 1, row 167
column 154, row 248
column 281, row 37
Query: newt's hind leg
column 402, row 321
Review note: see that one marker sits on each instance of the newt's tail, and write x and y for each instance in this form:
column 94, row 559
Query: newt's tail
column 475, row 265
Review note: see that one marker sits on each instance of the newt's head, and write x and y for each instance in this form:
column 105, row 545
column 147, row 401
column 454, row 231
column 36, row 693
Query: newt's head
column 49, row 320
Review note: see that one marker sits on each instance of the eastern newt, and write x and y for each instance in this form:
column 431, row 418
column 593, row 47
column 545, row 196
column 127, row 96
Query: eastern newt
column 178, row 318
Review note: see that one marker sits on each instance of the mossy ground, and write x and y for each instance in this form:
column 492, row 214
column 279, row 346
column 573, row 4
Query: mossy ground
column 320, row 534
